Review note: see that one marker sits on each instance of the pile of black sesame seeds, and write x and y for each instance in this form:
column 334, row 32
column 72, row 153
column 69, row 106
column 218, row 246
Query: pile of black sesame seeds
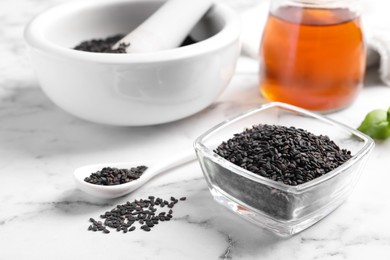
column 285, row 154
column 114, row 176
column 143, row 212
column 103, row 45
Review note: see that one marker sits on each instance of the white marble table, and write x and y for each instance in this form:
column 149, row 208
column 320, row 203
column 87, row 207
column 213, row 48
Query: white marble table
column 43, row 216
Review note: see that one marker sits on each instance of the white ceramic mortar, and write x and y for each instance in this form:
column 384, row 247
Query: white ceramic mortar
column 130, row 89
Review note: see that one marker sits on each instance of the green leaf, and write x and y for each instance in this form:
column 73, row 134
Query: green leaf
column 388, row 114
column 376, row 124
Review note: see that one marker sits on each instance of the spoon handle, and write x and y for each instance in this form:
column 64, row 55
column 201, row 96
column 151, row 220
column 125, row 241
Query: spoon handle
column 181, row 158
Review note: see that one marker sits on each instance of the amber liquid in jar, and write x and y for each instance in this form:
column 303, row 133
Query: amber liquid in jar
column 312, row 57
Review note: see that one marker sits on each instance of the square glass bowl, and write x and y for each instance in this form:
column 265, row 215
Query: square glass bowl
column 281, row 208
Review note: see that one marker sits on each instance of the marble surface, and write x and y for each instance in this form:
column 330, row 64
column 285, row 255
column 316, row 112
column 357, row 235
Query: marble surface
column 43, row 215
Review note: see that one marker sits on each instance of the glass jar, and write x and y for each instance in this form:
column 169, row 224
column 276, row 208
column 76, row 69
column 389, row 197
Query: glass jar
column 313, row 53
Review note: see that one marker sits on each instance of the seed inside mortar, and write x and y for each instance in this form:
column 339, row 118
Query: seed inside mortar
column 288, row 155
column 104, row 45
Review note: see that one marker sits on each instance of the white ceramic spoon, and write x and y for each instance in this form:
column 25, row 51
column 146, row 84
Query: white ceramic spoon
column 167, row 27
column 114, row 191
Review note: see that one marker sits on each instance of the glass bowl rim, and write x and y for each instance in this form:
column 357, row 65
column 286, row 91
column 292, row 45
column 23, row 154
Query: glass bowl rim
column 367, row 147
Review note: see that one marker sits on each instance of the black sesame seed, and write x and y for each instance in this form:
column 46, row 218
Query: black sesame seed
column 150, row 224
column 144, row 226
